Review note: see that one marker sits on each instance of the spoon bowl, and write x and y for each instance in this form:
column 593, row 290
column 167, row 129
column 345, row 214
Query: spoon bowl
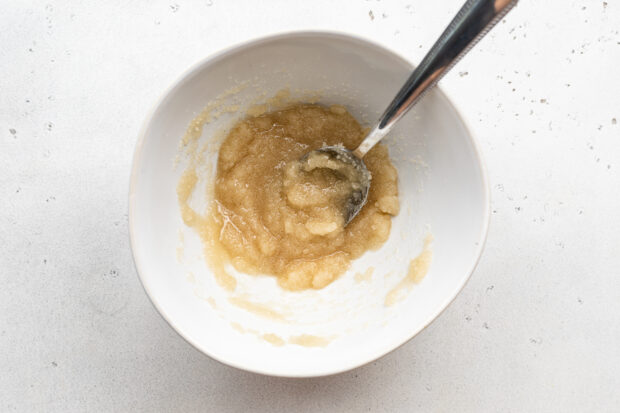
column 358, row 196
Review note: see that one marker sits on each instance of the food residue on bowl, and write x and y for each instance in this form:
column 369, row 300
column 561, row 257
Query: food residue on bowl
column 269, row 217
column 304, row 340
column 364, row 276
column 262, row 310
column 273, row 339
column 308, row 340
column 418, row 268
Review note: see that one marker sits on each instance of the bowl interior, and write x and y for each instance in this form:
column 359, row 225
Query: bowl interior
column 443, row 192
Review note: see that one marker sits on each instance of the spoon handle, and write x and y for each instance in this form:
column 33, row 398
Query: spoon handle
column 471, row 23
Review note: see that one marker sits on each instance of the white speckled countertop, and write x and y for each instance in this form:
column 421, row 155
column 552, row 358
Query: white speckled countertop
column 536, row 329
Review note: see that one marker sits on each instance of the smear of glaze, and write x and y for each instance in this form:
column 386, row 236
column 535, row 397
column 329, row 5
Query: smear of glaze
column 215, row 254
column 305, row 340
column 270, row 338
column 237, row 327
column 281, row 99
column 273, row 339
column 261, row 310
column 180, row 248
column 308, row 340
column 418, row 268
column 190, row 278
column 364, row 276
column 189, row 142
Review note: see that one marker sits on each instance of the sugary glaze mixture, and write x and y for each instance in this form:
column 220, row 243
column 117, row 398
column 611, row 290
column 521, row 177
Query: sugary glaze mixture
column 274, row 215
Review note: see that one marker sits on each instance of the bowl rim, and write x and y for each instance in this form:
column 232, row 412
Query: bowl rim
column 239, row 47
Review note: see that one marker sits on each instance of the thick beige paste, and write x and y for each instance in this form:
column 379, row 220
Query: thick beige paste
column 273, row 215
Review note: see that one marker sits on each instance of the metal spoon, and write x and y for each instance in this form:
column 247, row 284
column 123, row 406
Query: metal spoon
column 470, row 24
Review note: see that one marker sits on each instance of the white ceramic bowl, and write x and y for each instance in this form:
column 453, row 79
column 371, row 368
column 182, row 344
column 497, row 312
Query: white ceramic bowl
column 443, row 190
